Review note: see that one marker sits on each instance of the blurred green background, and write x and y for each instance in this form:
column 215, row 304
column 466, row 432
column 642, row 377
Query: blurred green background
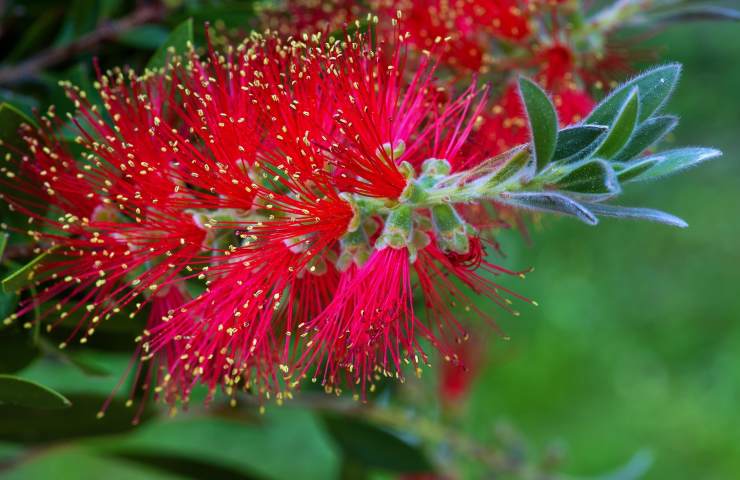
column 635, row 344
column 632, row 350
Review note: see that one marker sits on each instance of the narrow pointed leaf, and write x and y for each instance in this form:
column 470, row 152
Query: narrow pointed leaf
column 373, row 447
column 624, row 124
column 630, row 170
column 674, row 161
column 543, row 121
column 177, row 41
column 574, row 141
column 17, row 391
column 655, row 86
column 3, row 243
column 646, row 135
column 698, row 13
column 11, row 119
column 549, row 202
column 593, row 177
column 636, row 213
column 24, row 275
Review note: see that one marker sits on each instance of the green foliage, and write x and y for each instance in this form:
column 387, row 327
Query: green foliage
column 574, row 142
column 175, row 43
column 286, row 445
column 655, row 87
column 543, row 121
column 26, row 274
column 17, row 391
column 373, row 448
column 646, row 350
column 621, row 129
column 590, row 161
column 673, row 161
column 552, row 202
column 594, row 176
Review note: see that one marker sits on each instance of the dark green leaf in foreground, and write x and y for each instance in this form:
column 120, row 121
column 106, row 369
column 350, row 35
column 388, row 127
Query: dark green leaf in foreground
column 17, row 391
column 543, row 121
column 75, row 462
column 176, row 42
column 365, row 444
column 574, row 141
column 284, row 444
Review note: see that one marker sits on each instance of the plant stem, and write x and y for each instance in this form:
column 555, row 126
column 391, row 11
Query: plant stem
column 106, row 31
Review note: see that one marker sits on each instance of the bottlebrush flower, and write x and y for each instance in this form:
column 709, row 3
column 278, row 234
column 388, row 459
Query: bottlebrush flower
column 313, row 189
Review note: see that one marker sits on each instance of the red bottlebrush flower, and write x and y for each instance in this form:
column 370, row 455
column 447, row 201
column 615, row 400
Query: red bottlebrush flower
column 506, row 19
column 457, row 375
column 464, row 28
column 295, row 17
column 280, row 174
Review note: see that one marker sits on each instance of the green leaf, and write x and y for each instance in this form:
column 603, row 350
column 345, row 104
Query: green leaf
column 3, row 243
column 655, row 86
column 636, row 213
column 697, row 13
column 372, row 447
column 551, row 202
column 646, row 135
column 177, row 41
column 148, row 37
column 8, row 302
column 17, row 349
column 17, row 391
column 80, row 420
column 543, row 121
column 593, row 177
column 11, row 119
column 674, row 161
column 624, row 124
column 628, row 171
column 74, row 462
column 24, row 275
column 574, row 141
column 251, row 446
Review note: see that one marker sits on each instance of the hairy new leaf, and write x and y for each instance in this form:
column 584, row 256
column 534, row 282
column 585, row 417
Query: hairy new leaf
column 549, row 202
column 674, row 161
column 655, row 86
column 636, row 213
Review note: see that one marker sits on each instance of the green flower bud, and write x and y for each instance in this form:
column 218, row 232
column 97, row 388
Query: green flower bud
column 450, row 230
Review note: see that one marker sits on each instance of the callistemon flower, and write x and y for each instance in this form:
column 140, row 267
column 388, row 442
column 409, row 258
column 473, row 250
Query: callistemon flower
column 322, row 197
column 294, row 17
